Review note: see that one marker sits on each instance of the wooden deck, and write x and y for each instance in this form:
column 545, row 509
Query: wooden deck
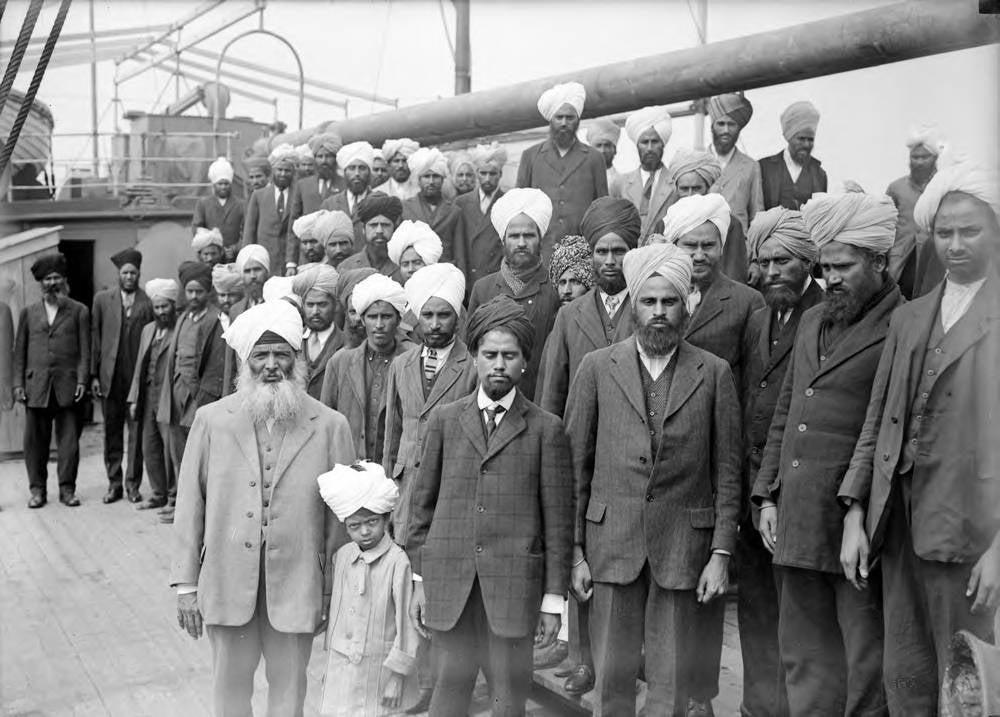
column 88, row 625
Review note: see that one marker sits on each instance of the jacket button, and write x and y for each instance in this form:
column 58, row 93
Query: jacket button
column 802, row 428
column 248, row 544
column 795, row 463
column 249, row 513
column 642, row 459
column 885, row 456
column 763, row 384
column 649, row 497
column 417, row 464
column 755, row 450
column 480, row 509
column 253, row 483
column 809, row 392
column 479, row 548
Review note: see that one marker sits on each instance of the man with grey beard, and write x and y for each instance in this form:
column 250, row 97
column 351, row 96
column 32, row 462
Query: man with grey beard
column 251, row 522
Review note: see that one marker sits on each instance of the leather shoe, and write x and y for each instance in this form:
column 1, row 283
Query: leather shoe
column 69, row 499
column 151, row 503
column 37, row 500
column 551, row 655
column 581, row 681
column 134, row 496
column 697, row 708
column 565, row 668
column 423, row 704
column 113, row 494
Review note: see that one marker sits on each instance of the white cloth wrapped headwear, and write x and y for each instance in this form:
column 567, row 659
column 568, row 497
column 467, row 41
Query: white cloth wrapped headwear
column 493, row 153
column 427, row 160
column 162, row 289
column 220, row 169
column 534, row 203
column 319, row 277
column 254, row 253
column 348, row 489
column 283, row 154
column 862, row 220
column 689, row 213
column 654, row 118
column 304, row 152
column 927, row 136
column 799, row 117
column 445, row 281
column 603, row 129
column 960, row 175
column 667, row 260
column 356, row 152
column 225, row 279
column 280, row 287
column 567, row 93
column 278, row 317
column 404, row 145
column 204, row 237
column 378, row 287
column 420, row 236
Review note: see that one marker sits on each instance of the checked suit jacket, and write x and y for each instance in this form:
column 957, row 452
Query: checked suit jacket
column 500, row 512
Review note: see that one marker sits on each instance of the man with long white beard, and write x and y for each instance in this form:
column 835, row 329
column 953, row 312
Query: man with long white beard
column 253, row 533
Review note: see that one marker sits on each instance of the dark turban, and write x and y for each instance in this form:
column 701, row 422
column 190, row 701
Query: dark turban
column 348, row 280
column 127, row 256
column 573, row 253
column 501, row 312
column 195, row 271
column 734, row 106
column 606, row 215
column 380, row 204
column 45, row 265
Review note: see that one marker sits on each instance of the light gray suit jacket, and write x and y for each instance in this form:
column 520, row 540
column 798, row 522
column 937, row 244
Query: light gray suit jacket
column 629, row 186
column 740, row 185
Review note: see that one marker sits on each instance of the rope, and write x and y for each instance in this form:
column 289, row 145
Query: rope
column 36, row 81
column 27, row 27
column 447, row 32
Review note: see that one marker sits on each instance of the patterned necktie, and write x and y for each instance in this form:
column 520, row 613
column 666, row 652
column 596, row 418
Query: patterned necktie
column 281, row 202
column 647, row 192
column 491, row 419
column 430, row 364
column 127, row 302
column 612, row 306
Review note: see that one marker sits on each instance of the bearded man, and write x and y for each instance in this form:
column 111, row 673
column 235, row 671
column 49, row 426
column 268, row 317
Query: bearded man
column 227, row 283
column 654, row 427
column 380, row 170
column 267, row 216
column 258, row 173
column 310, row 192
column 352, row 323
column 829, row 632
column 648, row 187
column 317, row 287
column 462, row 171
column 253, row 264
column 379, row 214
column 401, row 183
column 253, row 534
column 207, row 246
column 477, row 248
column 740, row 179
column 355, row 160
column 430, row 167
column 603, row 134
column 221, row 210
column 790, row 177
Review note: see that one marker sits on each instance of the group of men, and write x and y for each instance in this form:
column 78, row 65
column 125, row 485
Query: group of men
column 668, row 376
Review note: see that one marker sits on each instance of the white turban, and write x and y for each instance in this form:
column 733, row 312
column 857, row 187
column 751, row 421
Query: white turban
column 861, row 220
column 323, row 225
column 304, row 152
column 392, row 147
column 280, row 287
column 205, row 237
column 567, row 93
column 253, row 253
column 928, row 137
column 445, row 281
column 321, row 277
column 523, row 200
column 378, row 287
column 348, row 489
column 420, row 236
column 283, row 154
column 278, row 317
column 668, row 260
column 220, row 169
column 356, row 152
column 427, row 160
column 162, row 289
column 798, row 117
column 654, row 118
column 493, row 153
column 689, row 213
column 963, row 176
column 225, row 279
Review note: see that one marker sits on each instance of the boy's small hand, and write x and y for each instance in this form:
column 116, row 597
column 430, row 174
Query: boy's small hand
column 393, row 692
column 417, row 605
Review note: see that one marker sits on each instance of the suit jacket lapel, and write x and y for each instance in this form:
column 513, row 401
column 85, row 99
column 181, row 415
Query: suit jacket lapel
column 662, row 193
column 589, row 320
column 510, row 427
column 450, row 373
column 625, row 372
column 859, row 337
column 295, row 437
column 333, row 342
column 687, row 378
column 969, row 329
column 356, row 374
column 472, row 425
column 710, row 307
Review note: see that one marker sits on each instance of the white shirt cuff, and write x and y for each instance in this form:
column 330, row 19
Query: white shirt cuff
column 417, row 578
column 552, row 604
column 720, row 551
column 186, row 589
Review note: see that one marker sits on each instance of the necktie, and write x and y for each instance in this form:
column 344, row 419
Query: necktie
column 484, row 205
column 647, row 192
column 491, row 419
column 612, row 306
column 314, row 345
column 694, row 299
column 281, row 202
column 127, row 304
column 322, row 188
column 430, row 364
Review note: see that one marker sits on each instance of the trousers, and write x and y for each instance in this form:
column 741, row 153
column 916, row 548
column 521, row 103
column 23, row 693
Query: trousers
column 38, row 437
column 116, row 419
column 156, row 453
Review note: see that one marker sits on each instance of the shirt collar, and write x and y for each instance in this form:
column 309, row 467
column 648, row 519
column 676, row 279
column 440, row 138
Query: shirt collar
column 952, row 288
column 483, row 196
column 277, row 191
column 644, row 175
column 485, row 401
column 649, row 359
column 374, row 553
column 442, row 353
column 322, row 335
column 621, row 295
column 724, row 159
column 788, row 158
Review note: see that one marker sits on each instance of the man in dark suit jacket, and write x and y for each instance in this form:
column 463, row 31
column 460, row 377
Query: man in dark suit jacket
column 220, row 210
column 790, row 177
column 267, row 219
column 568, row 171
column 380, row 215
column 51, row 372
column 116, row 325
column 924, row 483
column 829, row 633
column 195, row 362
column 356, row 159
column 780, row 243
column 495, row 476
column 309, row 193
column 6, row 358
column 649, row 186
column 144, row 394
column 477, row 246
column 430, row 167
column 521, row 217
column 654, row 426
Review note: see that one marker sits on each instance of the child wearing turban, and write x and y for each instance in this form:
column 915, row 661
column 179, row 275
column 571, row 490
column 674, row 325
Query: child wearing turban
column 370, row 639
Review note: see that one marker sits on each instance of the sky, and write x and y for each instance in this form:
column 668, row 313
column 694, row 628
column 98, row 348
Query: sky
column 399, row 49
